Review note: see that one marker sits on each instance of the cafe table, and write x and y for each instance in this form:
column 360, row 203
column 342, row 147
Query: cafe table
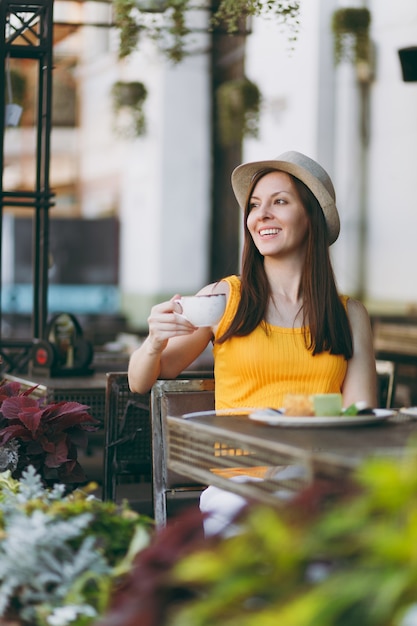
column 210, row 447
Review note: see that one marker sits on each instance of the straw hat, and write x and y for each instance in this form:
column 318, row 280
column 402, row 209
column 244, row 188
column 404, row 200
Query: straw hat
column 303, row 168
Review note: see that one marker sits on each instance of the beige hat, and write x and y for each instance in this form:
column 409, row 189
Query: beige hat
column 303, row 168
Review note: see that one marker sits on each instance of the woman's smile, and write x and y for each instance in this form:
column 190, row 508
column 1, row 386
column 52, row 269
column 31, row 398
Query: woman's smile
column 265, row 232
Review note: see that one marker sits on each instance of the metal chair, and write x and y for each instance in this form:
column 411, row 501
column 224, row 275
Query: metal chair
column 175, row 398
column 127, row 448
column 386, row 381
column 135, row 435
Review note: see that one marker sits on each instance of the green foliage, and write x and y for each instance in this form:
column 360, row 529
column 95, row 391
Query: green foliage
column 231, row 12
column 128, row 101
column 356, row 563
column 165, row 24
column 61, row 555
column 129, row 29
column 350, row 28
column 168, row 24
column 238, row 109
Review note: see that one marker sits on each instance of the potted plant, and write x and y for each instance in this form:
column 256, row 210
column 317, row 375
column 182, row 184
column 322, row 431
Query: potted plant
column 238, row 110
column 132, row 20
column 351, row 39
column 61, row 556
column 128, row 101
column 44, row 435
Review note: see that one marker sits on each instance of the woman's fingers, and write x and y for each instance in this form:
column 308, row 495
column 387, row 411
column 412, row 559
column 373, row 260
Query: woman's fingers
column 166, row 321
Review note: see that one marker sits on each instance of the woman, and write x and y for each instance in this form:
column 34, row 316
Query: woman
column 285, row 328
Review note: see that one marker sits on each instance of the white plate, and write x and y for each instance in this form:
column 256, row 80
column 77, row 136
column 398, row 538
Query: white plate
column 270, row 417
column 410, row 411
column 220, row 412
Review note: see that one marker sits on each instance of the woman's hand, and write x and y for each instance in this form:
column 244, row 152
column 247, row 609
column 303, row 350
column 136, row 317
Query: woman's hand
column 172, row 344
column 166, row 321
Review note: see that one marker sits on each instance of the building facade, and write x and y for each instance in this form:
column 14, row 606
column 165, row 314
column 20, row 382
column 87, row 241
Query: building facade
column 159, row 185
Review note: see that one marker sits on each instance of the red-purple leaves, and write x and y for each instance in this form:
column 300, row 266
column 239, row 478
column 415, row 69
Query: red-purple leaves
column 22, row 410
column 48, row 435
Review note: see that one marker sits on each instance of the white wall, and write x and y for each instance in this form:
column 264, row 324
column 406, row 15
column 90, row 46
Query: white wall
column 165, row 200
column 287, row 75
column 311, row 106
column 159, row 183
column 392, row 200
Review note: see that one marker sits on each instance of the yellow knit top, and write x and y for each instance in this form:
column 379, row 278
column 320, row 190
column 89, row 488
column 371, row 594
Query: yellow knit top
column 259, row 369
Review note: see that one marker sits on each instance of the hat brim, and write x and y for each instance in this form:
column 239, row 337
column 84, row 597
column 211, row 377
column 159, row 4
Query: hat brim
column 242, row 178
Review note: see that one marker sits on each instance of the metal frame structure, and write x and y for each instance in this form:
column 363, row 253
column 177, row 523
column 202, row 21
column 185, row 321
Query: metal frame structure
column 27, row 33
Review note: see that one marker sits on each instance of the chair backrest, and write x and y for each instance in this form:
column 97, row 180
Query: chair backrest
column 136, row 433
column 395, row 340
column 127, row 433
column 173, row 397
column 386, row 378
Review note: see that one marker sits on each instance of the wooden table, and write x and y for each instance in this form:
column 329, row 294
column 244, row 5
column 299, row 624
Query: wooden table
column 200, row 446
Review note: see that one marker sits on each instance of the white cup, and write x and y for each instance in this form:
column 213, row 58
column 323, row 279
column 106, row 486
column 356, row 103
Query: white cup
column 205, row 310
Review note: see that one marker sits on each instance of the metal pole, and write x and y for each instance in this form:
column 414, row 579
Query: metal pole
column 26, row 32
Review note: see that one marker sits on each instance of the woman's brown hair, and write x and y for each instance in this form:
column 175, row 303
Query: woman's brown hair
column 324, row 315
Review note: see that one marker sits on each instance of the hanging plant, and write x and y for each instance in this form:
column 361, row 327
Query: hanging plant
column 169, row 29
column 128, row 100
column 238, row 109
column 136, row 17
column 351, row 39
column 231, row 12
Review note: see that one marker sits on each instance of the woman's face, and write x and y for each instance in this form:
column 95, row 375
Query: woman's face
column 277, row 219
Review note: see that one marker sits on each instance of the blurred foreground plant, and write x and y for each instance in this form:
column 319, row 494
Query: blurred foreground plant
column 326, row 559
column 356, row 563
column 61, row 556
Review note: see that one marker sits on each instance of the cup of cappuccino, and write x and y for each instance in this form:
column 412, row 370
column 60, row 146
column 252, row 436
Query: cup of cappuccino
column 204, row 310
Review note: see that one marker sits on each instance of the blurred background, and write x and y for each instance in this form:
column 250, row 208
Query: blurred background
column 143, row 143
